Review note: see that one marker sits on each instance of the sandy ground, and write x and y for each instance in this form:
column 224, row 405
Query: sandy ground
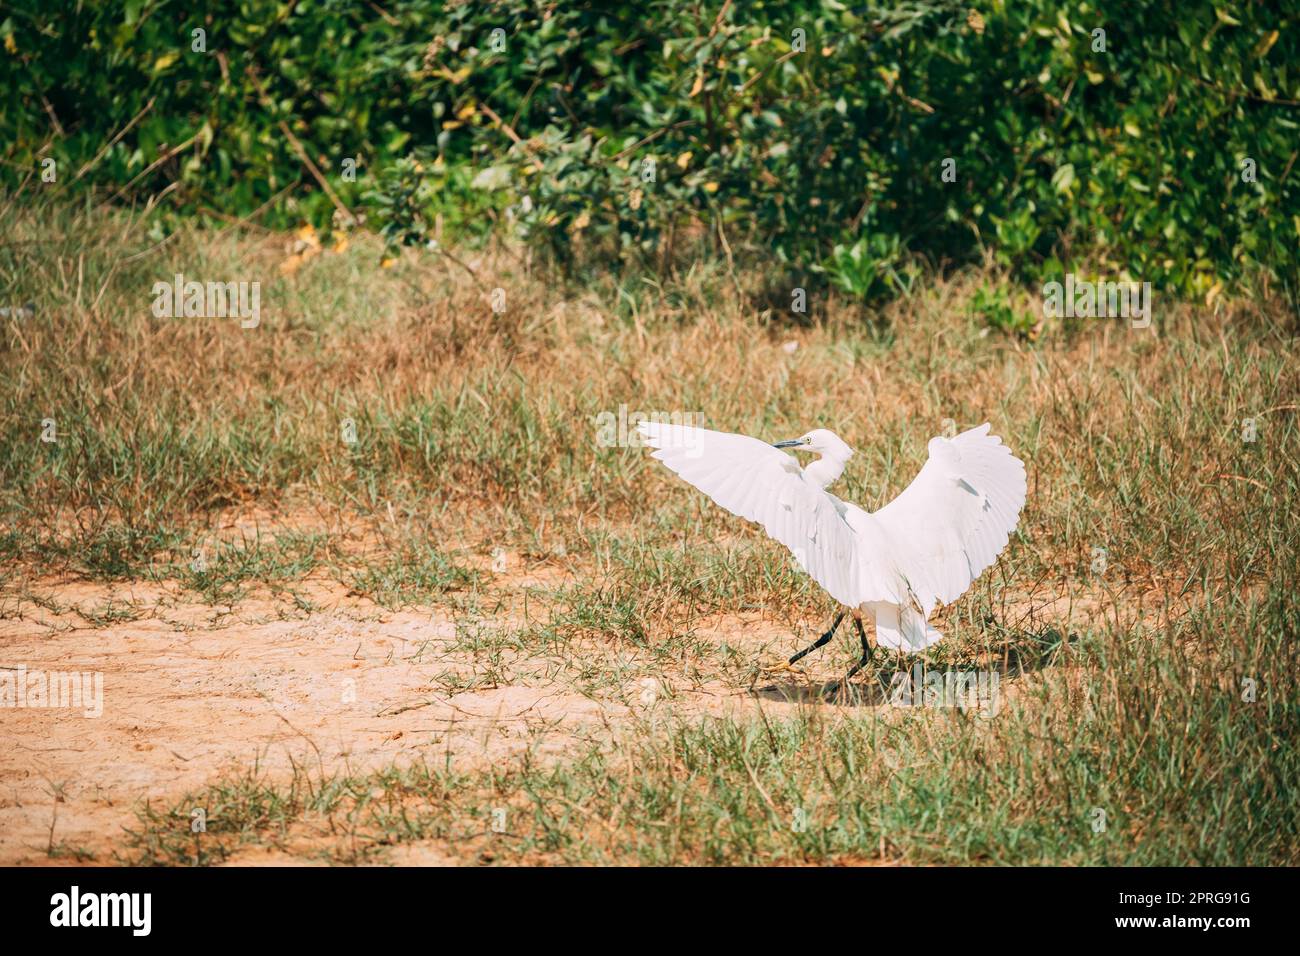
column 191, row 692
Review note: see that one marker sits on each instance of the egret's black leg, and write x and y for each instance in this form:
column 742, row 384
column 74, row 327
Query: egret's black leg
column 866, row 651
column 821, row 640
column 866, row 659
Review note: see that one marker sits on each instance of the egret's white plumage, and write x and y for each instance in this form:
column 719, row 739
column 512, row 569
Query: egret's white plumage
column 924, row 548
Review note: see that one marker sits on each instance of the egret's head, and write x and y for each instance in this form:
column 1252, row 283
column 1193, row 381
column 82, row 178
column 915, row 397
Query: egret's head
column 821, row 441
column 834, row 455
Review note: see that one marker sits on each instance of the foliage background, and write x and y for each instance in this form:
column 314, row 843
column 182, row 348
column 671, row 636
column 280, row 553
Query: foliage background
column 1122, row 161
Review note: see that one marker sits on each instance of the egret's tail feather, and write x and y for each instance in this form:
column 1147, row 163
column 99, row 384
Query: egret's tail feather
column 902, row 628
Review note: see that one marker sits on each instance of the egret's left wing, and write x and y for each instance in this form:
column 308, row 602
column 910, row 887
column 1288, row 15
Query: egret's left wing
column 956, row 516
column 752, row 479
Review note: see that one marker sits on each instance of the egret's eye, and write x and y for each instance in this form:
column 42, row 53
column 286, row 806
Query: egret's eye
column 807, row 441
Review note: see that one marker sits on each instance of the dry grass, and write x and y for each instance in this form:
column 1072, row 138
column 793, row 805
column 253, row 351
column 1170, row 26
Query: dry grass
column 476, row 432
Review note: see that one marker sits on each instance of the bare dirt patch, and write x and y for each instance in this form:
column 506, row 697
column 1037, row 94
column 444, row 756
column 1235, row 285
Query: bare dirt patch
column 189, row 693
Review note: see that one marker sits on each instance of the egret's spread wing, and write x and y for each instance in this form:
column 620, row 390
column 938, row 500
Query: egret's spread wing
column 956, row 516
column 752, row 479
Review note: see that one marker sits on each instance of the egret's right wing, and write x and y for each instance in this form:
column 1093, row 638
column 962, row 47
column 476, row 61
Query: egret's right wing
column 760, row 483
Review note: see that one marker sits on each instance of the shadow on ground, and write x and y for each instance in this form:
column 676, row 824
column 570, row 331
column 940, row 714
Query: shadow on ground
column 887, row 682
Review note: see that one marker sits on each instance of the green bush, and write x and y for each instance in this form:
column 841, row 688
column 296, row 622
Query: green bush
column 629, row 130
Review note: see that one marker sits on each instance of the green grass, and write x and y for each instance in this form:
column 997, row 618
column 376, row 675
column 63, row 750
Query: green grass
column 224, row 573
column 417, row 575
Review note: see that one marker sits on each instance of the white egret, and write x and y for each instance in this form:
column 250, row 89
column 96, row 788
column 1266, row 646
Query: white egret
column 924, row 548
